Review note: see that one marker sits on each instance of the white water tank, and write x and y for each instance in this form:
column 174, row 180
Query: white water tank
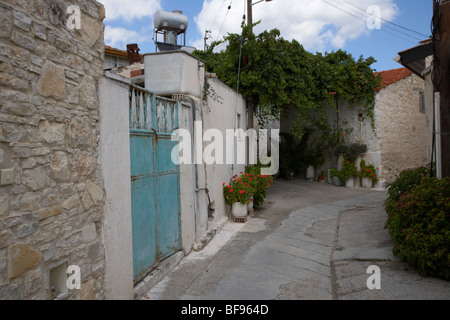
column 174, row 21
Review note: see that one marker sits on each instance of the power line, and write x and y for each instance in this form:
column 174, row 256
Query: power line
column 387, row 21
column 365, row 17
column 223, row 23
column 357, row 17
column 218, row 13
column 208, row 32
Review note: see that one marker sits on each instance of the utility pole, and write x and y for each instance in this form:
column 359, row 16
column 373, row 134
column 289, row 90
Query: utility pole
column 250, row 14
column 441, row 46
column 207, row 32
column 250, row 106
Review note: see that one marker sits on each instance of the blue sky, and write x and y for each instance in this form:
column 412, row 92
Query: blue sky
column 320, row 25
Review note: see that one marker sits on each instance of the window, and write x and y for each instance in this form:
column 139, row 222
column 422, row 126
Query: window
column 114, row 62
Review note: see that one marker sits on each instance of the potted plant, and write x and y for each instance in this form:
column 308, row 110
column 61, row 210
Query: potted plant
column 349, row 172
column 321, row 176
column 250, row 181
column 246, row 191
column 260, row 183
column 238, row 195
column 368, row 174
column 314, row 158
column 337, row 177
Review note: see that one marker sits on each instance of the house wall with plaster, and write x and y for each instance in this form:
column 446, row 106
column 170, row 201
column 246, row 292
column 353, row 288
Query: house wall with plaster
column 203, row 208
column 114, row 145
column 207, row 100
column 51, row 214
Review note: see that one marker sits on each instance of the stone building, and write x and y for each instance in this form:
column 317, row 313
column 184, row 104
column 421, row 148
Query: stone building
column 399, row 141
column 66, row 161
column 52, row 194
column 401, row 123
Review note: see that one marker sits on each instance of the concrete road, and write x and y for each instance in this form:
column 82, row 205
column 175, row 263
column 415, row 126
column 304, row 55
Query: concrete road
column 311, row 241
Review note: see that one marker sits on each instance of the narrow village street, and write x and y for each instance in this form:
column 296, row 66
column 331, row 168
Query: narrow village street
column 311, row 241
column 128, row 132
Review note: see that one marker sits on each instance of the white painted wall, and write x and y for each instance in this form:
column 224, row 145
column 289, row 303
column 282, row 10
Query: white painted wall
column 221, row 113
column 173, row 72
column 115, row 159
column 181, row 73
column 187, row 182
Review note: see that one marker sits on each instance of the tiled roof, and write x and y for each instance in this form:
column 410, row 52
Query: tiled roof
column 392, row 76
column 115, row 52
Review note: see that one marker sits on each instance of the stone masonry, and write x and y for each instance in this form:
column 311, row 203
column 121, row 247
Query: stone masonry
column 52, row 213
column 400, row 139
column 401, row 127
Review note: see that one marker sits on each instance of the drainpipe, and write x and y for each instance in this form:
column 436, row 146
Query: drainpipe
column 196, row 172
column 197, row 187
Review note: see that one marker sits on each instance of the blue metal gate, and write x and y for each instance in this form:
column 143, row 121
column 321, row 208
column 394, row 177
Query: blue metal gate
column 155, row 180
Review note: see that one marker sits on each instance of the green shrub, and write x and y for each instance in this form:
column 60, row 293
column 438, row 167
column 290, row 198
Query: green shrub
column 338, row 174
column 352, row 151
column 419, row 222
column 406, row 181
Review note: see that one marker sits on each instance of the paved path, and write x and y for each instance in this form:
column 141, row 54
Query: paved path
column 310, row 242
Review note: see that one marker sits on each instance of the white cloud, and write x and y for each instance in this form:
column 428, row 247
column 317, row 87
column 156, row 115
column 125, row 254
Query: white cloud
column 316, row 24
column 120, row 37
column 130, row 10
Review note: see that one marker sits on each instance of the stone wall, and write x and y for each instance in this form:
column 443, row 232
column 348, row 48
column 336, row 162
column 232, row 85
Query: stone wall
column 52, row 213
column 401, row 127
column 400, row 139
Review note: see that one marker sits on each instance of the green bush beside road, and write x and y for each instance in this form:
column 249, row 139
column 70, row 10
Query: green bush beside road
column 418, row 208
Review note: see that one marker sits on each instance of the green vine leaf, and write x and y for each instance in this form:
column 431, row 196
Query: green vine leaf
column 277, row 74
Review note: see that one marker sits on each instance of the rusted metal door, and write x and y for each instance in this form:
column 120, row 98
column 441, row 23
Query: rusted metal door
column 155, row 180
